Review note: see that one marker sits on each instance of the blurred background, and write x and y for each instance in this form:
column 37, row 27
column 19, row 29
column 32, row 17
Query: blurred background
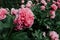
column 13, row 3
column 10, row 3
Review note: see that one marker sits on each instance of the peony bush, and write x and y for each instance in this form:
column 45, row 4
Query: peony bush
column 32, row 20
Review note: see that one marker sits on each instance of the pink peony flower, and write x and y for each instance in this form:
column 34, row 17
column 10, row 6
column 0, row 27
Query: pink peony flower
column 42, row 7
column 43, row 2
column 58, row 4
column 29, row 4
column 14, row 11
column 54, row 7
column 52, row 13
column 54, row 35
column 25, row 18
column 3, row 13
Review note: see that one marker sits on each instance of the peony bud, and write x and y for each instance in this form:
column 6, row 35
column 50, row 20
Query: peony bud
column 52, row 13
column 42, row 7
column 43, row 2
column 29, row 4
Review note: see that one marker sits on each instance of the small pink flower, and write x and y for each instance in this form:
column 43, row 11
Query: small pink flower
column 42, row 7
column 3, row 13
column 29, row 4
column 22, row 1
column 54, row 7
column 52, row 13
column 14, row 11
column 58, row 4
column 43, row 2
column 54, row 35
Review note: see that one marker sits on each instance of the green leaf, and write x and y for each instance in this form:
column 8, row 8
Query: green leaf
column 58, row 23
column 1, row 25
column 19, row 36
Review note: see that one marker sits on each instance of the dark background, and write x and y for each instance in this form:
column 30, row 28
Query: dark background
column 12, row 3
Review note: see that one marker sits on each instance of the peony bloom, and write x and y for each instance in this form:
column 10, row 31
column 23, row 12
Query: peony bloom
column 58, row 4
column 43, row 2
column 3, row 13
column 25, row 19
column 42, row 7
column 14, row 11
column 54, row 7
column 54, row 35
column 52, row 13
column 29, row 4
